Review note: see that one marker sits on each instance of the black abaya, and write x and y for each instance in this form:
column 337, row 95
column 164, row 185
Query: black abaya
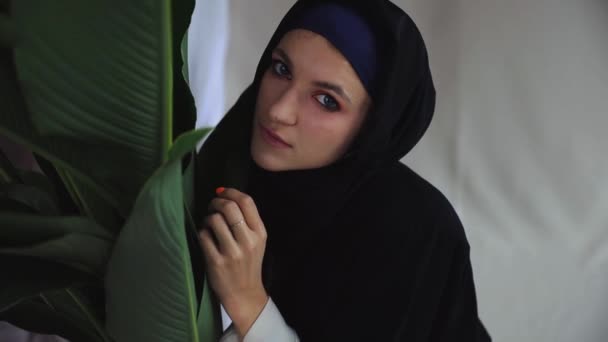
column 363, row 249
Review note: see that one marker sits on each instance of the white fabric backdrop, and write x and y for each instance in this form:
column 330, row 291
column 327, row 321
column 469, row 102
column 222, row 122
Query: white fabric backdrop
column 517, row 145
column 207, row 43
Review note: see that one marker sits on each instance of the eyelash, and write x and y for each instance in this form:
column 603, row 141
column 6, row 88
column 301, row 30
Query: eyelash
column 334, row 107
column 277, row 63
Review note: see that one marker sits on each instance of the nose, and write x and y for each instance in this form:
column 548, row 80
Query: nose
column 284, row 109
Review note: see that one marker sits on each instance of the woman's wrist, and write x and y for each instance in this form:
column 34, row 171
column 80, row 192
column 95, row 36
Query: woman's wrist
column 244, row 312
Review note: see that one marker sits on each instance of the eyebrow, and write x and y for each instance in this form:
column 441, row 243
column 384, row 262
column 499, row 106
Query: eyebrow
column 323, row 84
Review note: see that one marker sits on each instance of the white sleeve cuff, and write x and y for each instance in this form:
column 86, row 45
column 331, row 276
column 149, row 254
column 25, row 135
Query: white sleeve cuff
column 230, row 335
column 268, row 327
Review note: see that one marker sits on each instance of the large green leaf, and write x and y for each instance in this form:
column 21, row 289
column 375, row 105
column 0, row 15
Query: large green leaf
column 89, row 202
column 36, row 199
column 187, row 142
column 74, row 241
column 66, row 313
column 150, row 288
column 8, row 173
column 96, row 77
column 184, row 51
column 85, row 161
column 24, row 277
column 38, row 180
column 99, row 71
column 80, row 305
column 209, row 319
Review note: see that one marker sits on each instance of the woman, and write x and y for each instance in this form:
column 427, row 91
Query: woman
column 314, row 228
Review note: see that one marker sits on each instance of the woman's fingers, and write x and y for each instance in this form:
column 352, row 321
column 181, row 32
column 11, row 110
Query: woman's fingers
column 247, row 207
column 209, row 249
column 233, row 216
column 236, row 224
column 228, row 208
column 227, row 244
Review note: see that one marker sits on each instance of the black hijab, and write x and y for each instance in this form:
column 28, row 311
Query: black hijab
column 363, row 249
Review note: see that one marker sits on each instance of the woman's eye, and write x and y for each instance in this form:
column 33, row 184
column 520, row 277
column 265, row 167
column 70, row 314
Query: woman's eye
column 328, row 102
column 280, row 68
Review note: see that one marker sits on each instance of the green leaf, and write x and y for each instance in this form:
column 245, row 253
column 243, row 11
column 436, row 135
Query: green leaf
column 66, row 313
column 89, row 202
column 187, row 143
column 74, row 241
column 103, row 75
column 77, row 305
column 184, row 51
column 25, row 277
column 86, row 162
column 8, row 173
column 38, row 180
column 149, row 287
column 97, row 79
column 206, row 321
column 36, row 199
column 209, row 316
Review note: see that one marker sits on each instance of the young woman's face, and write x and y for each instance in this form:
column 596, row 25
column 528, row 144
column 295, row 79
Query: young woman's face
column 312, row 99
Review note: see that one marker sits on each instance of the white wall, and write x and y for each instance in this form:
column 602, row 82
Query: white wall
column 518, row 145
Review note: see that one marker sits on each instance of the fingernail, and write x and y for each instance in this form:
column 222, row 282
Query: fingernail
column 220, row 190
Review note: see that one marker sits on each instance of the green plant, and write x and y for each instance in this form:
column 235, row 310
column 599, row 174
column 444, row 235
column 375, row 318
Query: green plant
column 95, row 248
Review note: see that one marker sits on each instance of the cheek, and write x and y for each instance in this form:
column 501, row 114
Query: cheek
column 328, row 131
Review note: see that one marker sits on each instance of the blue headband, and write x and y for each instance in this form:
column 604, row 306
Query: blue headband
column 349, row 33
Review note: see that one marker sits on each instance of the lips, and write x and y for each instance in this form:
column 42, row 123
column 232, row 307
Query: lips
column 272, row 137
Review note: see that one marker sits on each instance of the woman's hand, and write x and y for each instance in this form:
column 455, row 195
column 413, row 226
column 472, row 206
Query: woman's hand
column 233, row 242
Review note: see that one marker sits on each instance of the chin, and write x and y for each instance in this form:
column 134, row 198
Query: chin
column 268, row 163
